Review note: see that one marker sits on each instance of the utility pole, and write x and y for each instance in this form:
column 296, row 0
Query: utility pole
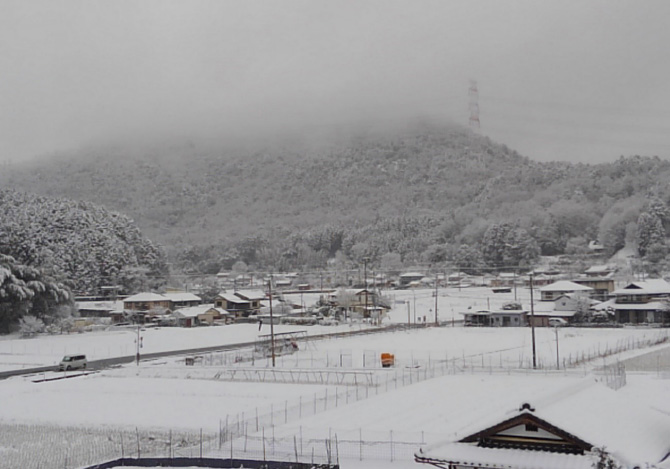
column 414, row 294
column 558, row 362
column 409, row 321
column 365, row 285
column 436, row 322
column 137, row 341
column 532, row 320
column 514, row 284
column 272, row 323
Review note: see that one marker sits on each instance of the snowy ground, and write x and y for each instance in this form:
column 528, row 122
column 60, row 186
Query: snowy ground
column 441, row 378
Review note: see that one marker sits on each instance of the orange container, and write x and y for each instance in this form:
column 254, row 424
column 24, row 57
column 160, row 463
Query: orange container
column 388, row 359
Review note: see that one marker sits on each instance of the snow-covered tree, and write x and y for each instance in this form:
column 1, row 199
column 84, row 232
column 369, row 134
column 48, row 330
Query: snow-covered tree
column 24, row 290
column 649, row 231
column 30, row 325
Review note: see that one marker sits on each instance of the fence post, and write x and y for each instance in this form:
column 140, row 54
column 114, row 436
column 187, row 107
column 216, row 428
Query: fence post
column 201, row 442
column 360, row 443
column 337, row 451
column 391, row 445
column 137, row 432
column 295, row 448
column 263, row 436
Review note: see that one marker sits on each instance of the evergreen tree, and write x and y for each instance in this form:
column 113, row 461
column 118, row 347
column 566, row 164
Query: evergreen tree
column 24, row 291
column 649, row 232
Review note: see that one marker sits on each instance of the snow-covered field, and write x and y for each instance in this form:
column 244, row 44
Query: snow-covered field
column 17, row 353
column 441, row 378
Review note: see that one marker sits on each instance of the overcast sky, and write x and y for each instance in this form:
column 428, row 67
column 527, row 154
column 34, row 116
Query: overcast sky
column 567, row 80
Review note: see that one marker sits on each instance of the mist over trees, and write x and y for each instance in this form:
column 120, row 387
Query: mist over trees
column 427, row 195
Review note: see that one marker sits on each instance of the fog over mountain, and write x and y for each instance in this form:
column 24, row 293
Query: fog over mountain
column 575, row 81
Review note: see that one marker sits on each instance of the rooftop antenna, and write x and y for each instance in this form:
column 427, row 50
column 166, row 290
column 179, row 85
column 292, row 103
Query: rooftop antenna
column 473, row 104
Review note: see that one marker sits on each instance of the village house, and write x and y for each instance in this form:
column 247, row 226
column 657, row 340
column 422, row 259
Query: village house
column 147, row 301
column 640, row 302
column 363, row 302
column 600, row 271
column 199, row 315
column 562, row 287
column 503, row 280
column 591, row 424
column 501, row 318
column 602, row 286
column 145, row 307
column 99, row 309
column 182, row 299
column 241, row 303
column 564, row 307
column 409, row 277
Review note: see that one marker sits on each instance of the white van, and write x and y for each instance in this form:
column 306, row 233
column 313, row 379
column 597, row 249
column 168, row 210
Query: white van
column 72, row 362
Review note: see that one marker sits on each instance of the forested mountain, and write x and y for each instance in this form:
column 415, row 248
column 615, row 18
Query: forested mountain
column 426, row 194
column 77, row 244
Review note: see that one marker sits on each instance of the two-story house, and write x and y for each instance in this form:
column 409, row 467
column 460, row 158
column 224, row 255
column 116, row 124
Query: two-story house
column 241, row 303
column 602, row 286
column 563, row 287
column 640, row 302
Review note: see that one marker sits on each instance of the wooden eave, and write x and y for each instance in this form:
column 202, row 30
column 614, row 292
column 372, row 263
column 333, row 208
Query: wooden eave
column 525, row 418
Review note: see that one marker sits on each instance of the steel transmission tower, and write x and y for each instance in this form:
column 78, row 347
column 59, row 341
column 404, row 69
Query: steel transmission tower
column 473, row 94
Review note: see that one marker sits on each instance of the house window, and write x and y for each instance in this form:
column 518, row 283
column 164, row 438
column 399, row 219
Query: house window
column 531, row 427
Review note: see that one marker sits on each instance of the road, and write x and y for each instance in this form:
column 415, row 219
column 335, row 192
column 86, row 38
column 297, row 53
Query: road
column 107, row 362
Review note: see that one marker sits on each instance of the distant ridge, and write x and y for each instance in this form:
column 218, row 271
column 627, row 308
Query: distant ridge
column 427, row 186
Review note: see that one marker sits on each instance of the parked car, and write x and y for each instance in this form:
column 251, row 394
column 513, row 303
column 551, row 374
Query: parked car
column 72, row 362
column 557, row 322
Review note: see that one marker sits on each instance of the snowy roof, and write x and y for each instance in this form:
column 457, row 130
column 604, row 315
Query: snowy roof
column 412, row 274
column 507, row 275
column 251, row 294
column 613, row 305
column 467, row 453
column 555, row 313
column 485, row 312
column 182, row 296
column 599, row 269
column 144, row 297
column 656, row 286
column 564, row 286
column 100, row 305
column 232, row 298
column 630, row 430
column 195, row 311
